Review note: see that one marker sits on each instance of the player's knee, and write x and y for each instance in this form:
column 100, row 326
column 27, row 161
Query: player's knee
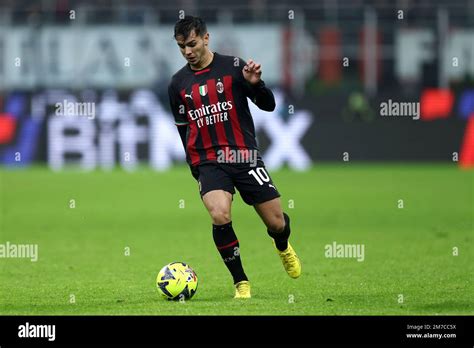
column 276, row 223
column 220, row 216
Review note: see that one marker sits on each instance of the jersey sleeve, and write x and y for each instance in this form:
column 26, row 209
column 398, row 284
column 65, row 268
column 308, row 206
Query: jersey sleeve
column 259, row 94
column 177, row 107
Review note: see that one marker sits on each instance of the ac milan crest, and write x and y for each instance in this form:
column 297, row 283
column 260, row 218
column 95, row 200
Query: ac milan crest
column 220, row 87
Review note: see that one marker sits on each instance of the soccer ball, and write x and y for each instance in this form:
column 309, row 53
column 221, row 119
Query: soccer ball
column 177, row 281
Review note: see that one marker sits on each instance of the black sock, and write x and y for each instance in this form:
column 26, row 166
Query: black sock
column 281, row 238
column 228, row 246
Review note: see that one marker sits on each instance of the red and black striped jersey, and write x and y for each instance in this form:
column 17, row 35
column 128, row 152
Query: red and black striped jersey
column 211, row 104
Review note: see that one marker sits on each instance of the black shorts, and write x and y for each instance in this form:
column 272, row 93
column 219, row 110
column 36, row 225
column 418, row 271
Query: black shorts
column 253, row 182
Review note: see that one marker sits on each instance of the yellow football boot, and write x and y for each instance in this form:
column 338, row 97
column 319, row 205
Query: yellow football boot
column 290, row 261
column 242, row 289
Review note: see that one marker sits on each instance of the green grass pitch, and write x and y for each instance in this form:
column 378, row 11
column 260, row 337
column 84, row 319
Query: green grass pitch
column 408, row 269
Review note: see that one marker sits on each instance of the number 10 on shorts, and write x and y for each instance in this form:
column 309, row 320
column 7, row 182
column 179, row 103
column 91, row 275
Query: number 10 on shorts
column 260, row 175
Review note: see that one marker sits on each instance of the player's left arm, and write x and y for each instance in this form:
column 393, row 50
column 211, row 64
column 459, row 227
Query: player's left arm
column 256, row 90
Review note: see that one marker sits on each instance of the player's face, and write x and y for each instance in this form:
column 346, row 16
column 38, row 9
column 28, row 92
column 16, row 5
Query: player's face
column 193, row 48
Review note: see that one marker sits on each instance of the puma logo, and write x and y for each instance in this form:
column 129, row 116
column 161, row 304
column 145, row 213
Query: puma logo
column 270, row 185
column 189, row 95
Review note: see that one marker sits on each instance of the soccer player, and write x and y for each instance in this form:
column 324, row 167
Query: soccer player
column 208, row 98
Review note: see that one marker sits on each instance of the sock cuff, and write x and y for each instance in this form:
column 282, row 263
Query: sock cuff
column 220, row 228
column 224, row 236
column 286, row 232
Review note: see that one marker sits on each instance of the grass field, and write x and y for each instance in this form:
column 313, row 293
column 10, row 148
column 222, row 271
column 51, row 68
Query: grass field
column 408, row 251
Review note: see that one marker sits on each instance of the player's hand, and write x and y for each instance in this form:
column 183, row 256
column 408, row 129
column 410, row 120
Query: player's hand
column 252, row 72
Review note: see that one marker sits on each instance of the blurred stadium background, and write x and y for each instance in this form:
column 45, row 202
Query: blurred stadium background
column 343, row 165
column 331, row 64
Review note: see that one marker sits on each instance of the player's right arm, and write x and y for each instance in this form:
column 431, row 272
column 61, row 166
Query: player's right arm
column 179, row 113
column 180, row 120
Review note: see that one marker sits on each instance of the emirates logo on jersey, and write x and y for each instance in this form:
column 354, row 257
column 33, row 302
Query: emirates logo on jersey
column 206, row 110
column 220, row 87
column 203, row 90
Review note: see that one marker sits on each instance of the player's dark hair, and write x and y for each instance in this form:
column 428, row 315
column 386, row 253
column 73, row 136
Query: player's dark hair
column 185, row 26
